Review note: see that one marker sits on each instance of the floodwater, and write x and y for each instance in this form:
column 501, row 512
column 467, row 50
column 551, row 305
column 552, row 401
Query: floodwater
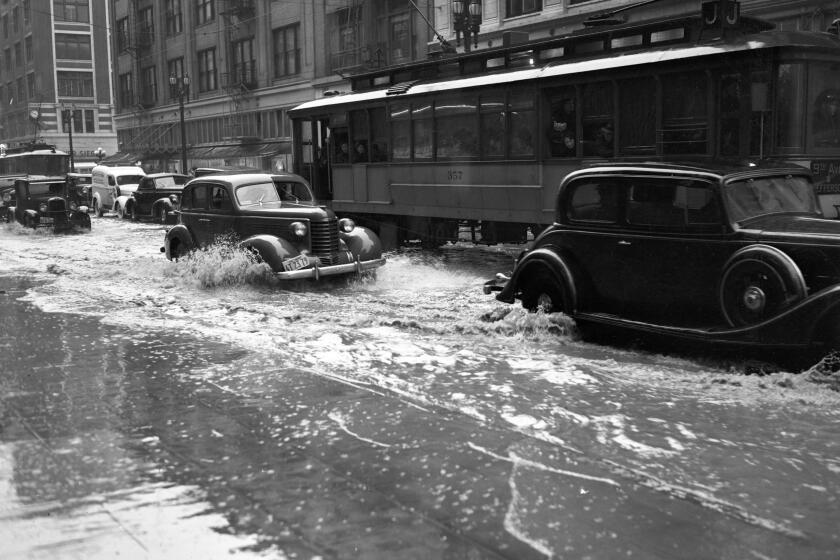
column 198, row 409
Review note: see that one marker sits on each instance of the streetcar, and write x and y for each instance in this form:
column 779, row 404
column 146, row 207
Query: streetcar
column 20, row 162
column 487, row 137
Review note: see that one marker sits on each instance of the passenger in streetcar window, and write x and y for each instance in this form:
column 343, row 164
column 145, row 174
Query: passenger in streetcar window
column 827, row 118
column 603, row 144
column 360, row 153
column 343, row 154
column 561, row 132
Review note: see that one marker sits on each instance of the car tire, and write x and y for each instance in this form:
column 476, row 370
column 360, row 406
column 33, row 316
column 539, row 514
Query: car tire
column 28, row 221
column 132, row 212
column 758, row 283
column 120, row 212
column 97, row 209
column 162, row 215
column 540, row 291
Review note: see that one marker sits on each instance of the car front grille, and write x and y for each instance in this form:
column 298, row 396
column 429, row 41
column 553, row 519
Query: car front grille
column 56, row 205
column 325, row 240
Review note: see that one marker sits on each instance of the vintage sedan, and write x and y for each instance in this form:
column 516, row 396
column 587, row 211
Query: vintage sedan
column 79, row 189
column 710, row 253
column 44, row 202
column 276, row 217
column 157, row 197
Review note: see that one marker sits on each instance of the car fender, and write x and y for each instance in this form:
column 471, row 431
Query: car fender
column 363, row 243
column 178, row 236
column 559, row 265
column 272, row 250
column 121, row 201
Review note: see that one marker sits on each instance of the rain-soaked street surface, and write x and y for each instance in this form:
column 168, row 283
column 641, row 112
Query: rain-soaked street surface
column 196, row 409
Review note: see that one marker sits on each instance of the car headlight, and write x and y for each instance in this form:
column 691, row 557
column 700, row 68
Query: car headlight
column 74, row 206
column 43, row 207
column 298, row 229
column 346, row 225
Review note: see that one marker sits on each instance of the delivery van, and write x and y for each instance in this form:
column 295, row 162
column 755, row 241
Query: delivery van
column 112, row 186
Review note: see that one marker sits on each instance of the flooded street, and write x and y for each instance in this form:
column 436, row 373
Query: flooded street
column 198, row 409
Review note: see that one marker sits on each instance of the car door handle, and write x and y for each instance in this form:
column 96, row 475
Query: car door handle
column 623, row 242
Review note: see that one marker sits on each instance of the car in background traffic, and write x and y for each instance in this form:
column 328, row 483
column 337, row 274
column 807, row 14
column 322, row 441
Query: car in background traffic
column 80, row 189
column 112, row 186
column 734, row 255
column 158, row 197
column 276, row 217
column 44, row 202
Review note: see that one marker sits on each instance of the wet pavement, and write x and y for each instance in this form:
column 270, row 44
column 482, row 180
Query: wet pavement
column 199, row 413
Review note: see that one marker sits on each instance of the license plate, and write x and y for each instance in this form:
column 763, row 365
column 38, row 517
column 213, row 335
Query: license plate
column 296, row 263
column 46, row 221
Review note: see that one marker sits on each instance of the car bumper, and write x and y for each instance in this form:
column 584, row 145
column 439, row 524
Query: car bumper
column 316, row 272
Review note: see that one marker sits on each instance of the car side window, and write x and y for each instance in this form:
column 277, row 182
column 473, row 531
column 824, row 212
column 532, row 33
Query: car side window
column 595, row 201
column 672, row 204
column 111, row 181
column 219, row 199
column 199, row 197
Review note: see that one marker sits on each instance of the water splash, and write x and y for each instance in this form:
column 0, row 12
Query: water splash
column 221, row 264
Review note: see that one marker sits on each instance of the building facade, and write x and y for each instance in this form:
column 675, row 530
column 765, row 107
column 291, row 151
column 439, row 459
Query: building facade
column 239, row 65
column 55, row 83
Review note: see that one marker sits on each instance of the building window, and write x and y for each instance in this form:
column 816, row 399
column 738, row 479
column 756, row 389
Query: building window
column 123, row 35
column 244, row 63
column 27, row 44
column 27, row 12
column 145, row 27
column 521, row 7
column 399, row 39
column 205, row 11
column 5, row 26
column 72, row 46
column 81, row 120
column 148, row 91
column 30, row 84
column 286, row 51
column 207, row 70
column 125, row 91
column 174, row 17
column 345, row 38
column 18, row 54
column 16, row 19
column 71, row 10
column 75, row 84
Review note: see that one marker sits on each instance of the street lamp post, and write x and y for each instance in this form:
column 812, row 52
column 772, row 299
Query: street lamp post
column 68, row 121
column 179, row 86
column 99, row 153
column 466, row 16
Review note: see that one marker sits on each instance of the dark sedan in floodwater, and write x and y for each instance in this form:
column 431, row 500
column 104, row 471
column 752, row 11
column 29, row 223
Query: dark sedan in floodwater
column 45, row 202
column 276, row 217
column 731, row 255
column 157, row 197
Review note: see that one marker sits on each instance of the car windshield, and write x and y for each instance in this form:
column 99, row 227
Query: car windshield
column 170, row 182
column 293, row 191
column 128, row 179
column 770, row 195
column 46, row 189
column 258, row 193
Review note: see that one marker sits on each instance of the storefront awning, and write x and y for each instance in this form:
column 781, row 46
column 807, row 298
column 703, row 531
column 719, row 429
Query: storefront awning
column 122, row 158
column 251, row 149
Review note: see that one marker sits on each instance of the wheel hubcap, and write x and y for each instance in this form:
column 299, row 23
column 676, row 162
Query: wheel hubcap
column 754, row 299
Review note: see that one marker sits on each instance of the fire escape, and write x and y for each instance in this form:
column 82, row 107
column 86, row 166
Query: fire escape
column 240, row 79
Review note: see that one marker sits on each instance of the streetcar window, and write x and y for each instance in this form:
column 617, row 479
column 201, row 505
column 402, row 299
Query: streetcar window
column 637, row 116
column 684, row 115
column 790, row 106
column 561, row 130
column 378, row 135
column 731, row 91
column 597, row 118
column 421, row 118
column 456, row 127
column 492, row 125
column 523, row 116
column 824, row 105
column 400, row 131
column 759, row 113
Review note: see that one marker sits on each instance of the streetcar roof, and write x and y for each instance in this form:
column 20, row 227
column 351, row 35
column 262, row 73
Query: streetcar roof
column 555, row 69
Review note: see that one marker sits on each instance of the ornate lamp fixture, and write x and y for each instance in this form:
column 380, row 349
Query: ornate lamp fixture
column 466, row 16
